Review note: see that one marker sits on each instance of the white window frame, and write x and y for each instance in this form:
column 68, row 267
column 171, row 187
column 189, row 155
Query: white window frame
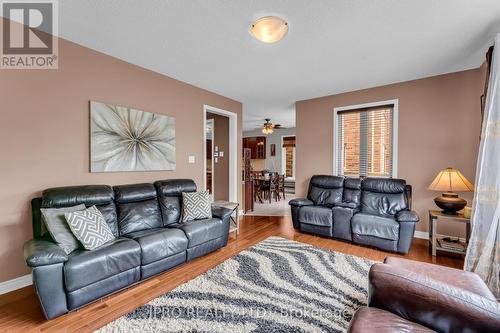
column 395, row 117
column 283, row 156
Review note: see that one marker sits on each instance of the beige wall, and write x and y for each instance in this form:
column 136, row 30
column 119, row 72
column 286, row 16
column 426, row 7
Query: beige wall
column 44, row 132
column 221, row 167
column 439, row 125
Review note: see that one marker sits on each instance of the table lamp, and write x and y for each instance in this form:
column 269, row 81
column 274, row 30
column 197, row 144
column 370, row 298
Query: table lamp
column 450, row 181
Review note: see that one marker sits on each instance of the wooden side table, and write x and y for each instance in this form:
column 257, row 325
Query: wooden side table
column 235, row 222
column 434, row 216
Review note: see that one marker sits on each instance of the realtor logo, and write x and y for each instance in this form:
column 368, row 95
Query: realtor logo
column 28, row 35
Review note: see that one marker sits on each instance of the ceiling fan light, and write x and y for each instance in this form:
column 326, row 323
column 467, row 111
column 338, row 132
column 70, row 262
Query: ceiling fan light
column 267, row 130
column 269, row 29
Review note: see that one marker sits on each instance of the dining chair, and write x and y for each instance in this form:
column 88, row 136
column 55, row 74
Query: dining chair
column 257, row 189
column 273, row 187
column 281, row 186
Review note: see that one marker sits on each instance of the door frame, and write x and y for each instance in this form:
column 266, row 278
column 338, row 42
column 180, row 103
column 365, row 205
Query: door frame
column 212, row 123
column 233, row 149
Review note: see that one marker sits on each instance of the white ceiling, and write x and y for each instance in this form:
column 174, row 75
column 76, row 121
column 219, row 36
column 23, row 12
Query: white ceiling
column 333, row 46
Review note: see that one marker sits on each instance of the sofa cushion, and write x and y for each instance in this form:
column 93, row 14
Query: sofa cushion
column 383, row 196
column 55, row 222
column 159, row 243
column 89, row 227
column 196, row 206
column 138, row 208
column 170, row 197
column 326, row 190
column 101, row 196
column 376, row 226
column 74, row 195
column 86, row 267
column 201, row 231
column 317, row 215
column 352, row 191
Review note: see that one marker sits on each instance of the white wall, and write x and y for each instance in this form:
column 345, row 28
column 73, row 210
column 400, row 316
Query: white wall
column 273, row 163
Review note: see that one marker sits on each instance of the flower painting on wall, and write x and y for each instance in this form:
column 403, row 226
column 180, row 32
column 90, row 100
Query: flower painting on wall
column 125, row 139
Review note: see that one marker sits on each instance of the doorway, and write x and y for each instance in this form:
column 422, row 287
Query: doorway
column 220, row 158
column 217, row 156
column 273, row 172
column 209, row 175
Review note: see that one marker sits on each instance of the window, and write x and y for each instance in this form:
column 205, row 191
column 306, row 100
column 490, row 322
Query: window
column 288, row 156
column 365, row 140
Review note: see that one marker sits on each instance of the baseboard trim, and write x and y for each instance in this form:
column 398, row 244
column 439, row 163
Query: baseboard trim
column 421, row 234
column 14, row 284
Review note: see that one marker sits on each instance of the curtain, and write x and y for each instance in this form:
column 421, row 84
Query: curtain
column 483, row 253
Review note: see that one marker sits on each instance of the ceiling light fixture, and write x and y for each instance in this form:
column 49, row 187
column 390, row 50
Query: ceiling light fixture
column 268, row 126
column 269, row 29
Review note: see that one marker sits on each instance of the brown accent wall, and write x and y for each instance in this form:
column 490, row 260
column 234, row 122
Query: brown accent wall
column 221, row 168
column 44, row 132
column 439, row 125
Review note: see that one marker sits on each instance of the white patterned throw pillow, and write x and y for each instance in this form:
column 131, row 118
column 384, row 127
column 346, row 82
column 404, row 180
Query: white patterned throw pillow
column 195, row 206
column 89, row 227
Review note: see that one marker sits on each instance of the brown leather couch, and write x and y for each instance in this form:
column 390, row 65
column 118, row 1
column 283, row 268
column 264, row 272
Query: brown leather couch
column 410, row 296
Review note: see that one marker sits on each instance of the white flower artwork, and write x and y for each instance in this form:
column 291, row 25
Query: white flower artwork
column 125, row 139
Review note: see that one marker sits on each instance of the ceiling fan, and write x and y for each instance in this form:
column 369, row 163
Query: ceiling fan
column 268, row 126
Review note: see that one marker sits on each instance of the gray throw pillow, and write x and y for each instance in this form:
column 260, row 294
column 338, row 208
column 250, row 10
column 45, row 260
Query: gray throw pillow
column 58, row 228
column 195, row 206
column 90, row 227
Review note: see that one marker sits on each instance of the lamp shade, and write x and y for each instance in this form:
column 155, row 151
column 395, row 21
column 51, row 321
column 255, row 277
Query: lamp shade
column 451, row 180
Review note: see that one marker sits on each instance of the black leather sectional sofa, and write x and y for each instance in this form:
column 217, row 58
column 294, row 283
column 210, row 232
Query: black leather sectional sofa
column 149, row 240
column 369, row 211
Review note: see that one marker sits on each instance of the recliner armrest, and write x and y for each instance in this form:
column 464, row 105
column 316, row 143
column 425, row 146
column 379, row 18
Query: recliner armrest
column 351, row 205
column 42, row 252
column 221, row 212
column 300, row 202
column 429, row 302
column 407, row 216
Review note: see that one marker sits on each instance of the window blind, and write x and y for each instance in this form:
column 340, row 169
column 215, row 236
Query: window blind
column 364, row 142
column 288, row 141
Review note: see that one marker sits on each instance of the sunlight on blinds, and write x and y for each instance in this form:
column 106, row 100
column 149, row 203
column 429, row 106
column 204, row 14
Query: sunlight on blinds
column 365, row 142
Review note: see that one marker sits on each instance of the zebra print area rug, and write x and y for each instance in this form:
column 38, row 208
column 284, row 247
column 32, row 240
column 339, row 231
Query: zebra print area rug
column 277, row 285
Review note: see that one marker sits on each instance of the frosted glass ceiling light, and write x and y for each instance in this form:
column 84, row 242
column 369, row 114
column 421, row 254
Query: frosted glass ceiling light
column 269, row 29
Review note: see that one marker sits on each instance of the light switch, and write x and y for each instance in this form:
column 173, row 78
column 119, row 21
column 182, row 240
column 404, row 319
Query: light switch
column 221, row 154
column 216, row 160
column 216, row 148
column 192, row 159
column 216, row 154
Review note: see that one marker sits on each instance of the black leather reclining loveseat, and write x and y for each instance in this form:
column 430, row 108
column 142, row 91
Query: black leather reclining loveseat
column 144, row 218
column 369, row 211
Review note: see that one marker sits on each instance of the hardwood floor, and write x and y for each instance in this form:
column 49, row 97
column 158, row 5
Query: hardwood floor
column 19, row 310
